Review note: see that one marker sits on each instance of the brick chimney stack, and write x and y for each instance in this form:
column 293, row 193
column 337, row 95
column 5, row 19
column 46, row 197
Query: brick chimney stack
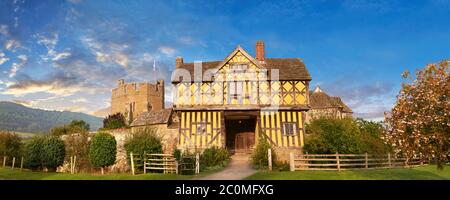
column 260, row 50
column 179, row 62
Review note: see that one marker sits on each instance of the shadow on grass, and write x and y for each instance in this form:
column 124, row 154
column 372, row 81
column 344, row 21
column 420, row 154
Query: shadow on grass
column 429, row 172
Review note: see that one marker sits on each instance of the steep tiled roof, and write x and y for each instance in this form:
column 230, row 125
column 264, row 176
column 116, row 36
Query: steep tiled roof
column 153, row 117
column 289, row 68
column 319, row 99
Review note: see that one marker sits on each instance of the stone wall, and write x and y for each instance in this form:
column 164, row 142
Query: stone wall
column 132, row 99
column 282, row 153
column 169, row 139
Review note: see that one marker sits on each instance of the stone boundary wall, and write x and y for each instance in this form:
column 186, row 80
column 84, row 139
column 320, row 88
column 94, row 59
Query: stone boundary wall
column 282, row 153
column 169, row 140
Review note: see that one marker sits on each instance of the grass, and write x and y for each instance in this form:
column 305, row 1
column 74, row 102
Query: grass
column 15, row 174
column 427, row 172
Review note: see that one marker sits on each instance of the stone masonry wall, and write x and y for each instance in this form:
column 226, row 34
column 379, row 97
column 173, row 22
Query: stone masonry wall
column 169, row 140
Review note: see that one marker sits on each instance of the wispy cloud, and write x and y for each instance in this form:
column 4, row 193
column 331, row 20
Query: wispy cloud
column 4, row 30
column 58, row 85
column 3, row 58
column 12, row 45
column 169, row 51
column 17, row 66
column 366, row 100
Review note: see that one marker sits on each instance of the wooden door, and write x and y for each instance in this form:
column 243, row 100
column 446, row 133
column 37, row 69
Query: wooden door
column 244, row 141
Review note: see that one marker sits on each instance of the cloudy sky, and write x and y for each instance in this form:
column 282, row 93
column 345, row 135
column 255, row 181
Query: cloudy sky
column 67, row 55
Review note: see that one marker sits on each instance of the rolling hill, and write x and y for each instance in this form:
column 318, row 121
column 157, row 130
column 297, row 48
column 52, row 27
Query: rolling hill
column 16, row 117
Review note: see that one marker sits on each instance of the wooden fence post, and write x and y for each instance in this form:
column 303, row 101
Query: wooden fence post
column 4, row 161
column 21, row 163
column 337, row 162
column 132, row 163
column 14, row 160
column 71, row 164
column 389, row 160
column 291, row 161
column 74, row 163
column 367, row 160
column 197, row 163
column 269, row 157
column 145, row 162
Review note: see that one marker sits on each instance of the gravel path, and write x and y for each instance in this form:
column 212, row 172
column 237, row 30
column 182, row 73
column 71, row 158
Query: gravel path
column 239, row 168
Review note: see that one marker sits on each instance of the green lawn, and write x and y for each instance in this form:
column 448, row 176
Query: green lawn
column 16, row 174
column 428, row 172
column 9, row 174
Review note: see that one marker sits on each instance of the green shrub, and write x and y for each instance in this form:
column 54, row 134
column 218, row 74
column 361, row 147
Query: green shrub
column 333, row 135
column 214, row 156
column 259, row 155
column 177, row 154
column 102, row 151
column 76, row 126
column 33, row 153
column 60, row 130
column 144, row 141
column 79, row 126
column 53, row 153
column 10, row 144
column 114, row 121
column 281, row 166
column 44, row 152
column 354, row 136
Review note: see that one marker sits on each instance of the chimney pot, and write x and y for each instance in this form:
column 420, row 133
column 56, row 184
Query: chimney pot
column 260, row 50
column 179, row 62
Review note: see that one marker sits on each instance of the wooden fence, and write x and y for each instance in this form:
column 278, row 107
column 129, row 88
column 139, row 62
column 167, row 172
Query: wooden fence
column 348, row 162
column 13, row 162
column 163, row 163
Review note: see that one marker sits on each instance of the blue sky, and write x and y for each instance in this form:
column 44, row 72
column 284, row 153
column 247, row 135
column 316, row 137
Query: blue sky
column 67, row 55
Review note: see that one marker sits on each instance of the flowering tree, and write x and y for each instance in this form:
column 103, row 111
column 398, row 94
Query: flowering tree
column 419, row 123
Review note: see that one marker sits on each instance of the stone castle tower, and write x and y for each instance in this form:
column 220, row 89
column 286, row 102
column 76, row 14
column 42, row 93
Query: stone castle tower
column 132, row 99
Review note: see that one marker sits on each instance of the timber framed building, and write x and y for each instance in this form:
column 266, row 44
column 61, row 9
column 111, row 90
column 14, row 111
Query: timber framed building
column 235, row 102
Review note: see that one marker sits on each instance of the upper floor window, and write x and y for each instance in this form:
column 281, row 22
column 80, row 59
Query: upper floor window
column 239, row 68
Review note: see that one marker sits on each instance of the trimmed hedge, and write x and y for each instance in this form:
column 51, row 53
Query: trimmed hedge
column 33, row 153
column 44, row 152
column 102, row 152
column 53, row 153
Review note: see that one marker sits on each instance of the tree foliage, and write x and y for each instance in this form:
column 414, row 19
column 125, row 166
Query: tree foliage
column 102, row 152
column 419, row 122
column 114, row 121
column 33, row 153
column 333, row 135
column 78, row 145
column 144, row 141
column 76, row 126
column 346, row 135
column 53, row 153
column 10, row 144
column 44, row 152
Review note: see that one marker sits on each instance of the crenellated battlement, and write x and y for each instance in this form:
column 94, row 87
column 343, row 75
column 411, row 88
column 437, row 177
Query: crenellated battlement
column 131, row 99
